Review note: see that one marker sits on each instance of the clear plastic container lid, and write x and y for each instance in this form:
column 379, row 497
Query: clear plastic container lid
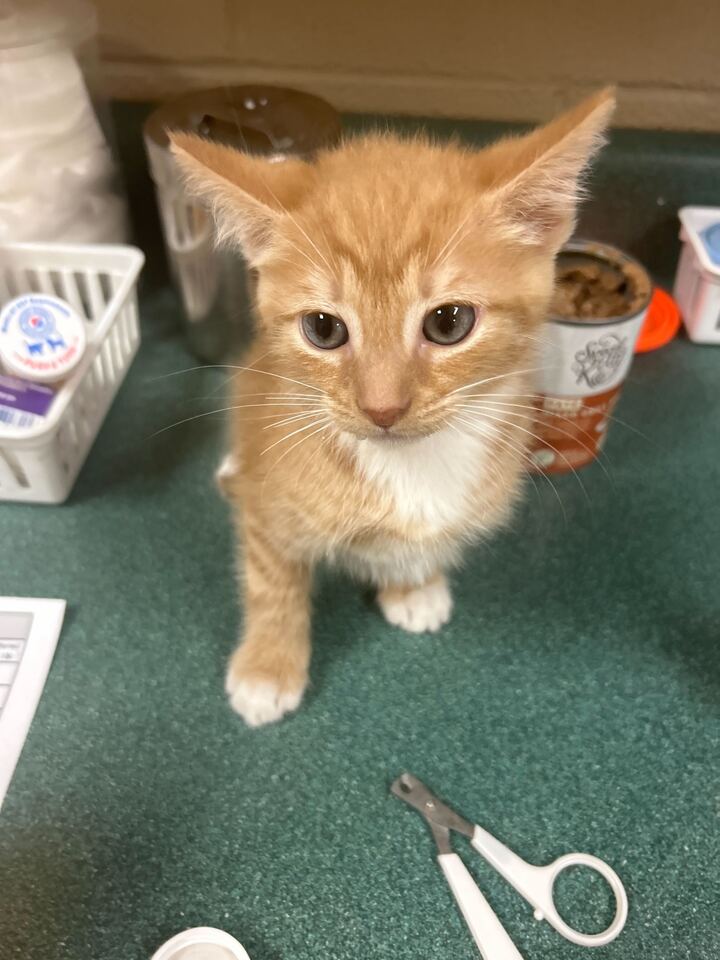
column 32, row 27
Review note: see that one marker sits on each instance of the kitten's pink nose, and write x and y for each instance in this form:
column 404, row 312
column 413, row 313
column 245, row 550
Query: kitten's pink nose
column 386, row 416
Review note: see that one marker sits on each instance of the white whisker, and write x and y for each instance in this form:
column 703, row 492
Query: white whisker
column 519, row 451
column 228, row 380
column 502, row 407
column 509, row 423
column 520, row 396
column 325, row 426
column 542, row 341
column 291, row 394
column 491, row 465
column 285, row 398
column 209, row 413
column 500, row 376
column 309, row 239
column 273, row 416
column 242, row 369
column 541, row 396
column 177, row 373
column 454, row 239
column 307, row 426
column 295, row 417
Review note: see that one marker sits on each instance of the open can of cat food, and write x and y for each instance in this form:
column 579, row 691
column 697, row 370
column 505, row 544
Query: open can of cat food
column 600, row 302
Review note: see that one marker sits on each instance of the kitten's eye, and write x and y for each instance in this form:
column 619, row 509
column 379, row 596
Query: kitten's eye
column 449, row 323
column 325, row 331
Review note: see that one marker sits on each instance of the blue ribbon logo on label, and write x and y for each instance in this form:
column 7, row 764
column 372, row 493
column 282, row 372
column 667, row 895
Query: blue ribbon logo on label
column 38, row 326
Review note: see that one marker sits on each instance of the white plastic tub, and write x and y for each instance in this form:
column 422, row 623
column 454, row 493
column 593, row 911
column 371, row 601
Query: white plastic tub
column 59, row 172
column 697, row 282
column 201, row 943
column 39, row 463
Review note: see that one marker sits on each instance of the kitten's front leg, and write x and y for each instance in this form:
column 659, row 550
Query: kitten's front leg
column 421, row 609
column 226, row 473
column 267, row 674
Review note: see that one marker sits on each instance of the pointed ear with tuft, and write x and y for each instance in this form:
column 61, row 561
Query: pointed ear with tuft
column 541, row 174
column 248, row 195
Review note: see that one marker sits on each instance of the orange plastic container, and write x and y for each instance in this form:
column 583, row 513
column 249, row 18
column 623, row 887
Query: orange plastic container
column 661, row 323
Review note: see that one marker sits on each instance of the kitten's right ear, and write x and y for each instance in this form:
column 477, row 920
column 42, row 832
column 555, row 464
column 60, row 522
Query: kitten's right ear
column 247, row 194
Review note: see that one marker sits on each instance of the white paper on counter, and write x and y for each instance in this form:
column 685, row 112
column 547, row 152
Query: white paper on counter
column 29, row 631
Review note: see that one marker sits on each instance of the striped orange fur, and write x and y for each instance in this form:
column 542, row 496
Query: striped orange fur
column 378, row 232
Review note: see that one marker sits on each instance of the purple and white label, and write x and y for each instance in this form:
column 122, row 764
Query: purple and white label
column 22, row 404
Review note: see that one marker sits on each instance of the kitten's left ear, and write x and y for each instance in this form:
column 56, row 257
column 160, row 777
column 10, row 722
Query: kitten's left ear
column 248, row 194
column 543, row 171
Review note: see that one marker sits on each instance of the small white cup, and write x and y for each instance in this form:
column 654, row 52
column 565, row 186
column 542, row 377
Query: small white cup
column 201, row 943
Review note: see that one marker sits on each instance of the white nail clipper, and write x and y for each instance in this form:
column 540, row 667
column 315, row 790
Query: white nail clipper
column 533, row 883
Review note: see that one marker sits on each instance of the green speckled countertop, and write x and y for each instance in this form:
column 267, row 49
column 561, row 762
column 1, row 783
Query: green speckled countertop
column 572, row 703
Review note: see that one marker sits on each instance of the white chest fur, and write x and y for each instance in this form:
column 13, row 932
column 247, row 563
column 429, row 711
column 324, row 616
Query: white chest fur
column 430, row 480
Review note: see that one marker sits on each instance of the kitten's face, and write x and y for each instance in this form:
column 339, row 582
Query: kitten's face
column 391, row 298
column 393, row 275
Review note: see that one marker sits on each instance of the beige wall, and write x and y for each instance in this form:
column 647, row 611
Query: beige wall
column 509, row 59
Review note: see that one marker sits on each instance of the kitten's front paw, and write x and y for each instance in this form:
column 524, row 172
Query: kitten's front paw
column 226, row 472
column 260, row 701
column 260, row 698
column 418, row 609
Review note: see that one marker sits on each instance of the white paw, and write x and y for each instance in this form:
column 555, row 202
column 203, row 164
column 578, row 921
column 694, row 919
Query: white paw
column 261, row 701
column 229, row 466
column 424, row 609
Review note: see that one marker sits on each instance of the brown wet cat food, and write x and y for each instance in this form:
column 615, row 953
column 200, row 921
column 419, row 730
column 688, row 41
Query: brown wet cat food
column 587, row 287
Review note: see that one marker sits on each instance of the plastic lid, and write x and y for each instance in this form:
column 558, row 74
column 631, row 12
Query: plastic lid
column 30, row 27
column 662, row 322
column 201, row 943
column 41, row 337
column 258, row 118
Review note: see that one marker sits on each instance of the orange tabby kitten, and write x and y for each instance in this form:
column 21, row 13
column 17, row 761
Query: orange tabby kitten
column 401, row 289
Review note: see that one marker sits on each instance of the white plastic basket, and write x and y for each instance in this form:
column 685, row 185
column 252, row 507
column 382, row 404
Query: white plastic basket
column 39, row 463
column 697, row 281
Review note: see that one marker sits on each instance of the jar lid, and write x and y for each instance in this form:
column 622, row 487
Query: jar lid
column 201, row 943
column 258, row 118
column 41, row 337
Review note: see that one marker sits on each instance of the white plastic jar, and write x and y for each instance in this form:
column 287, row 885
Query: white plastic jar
column 42, row 339
column 201, row 943
column 58, row 176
